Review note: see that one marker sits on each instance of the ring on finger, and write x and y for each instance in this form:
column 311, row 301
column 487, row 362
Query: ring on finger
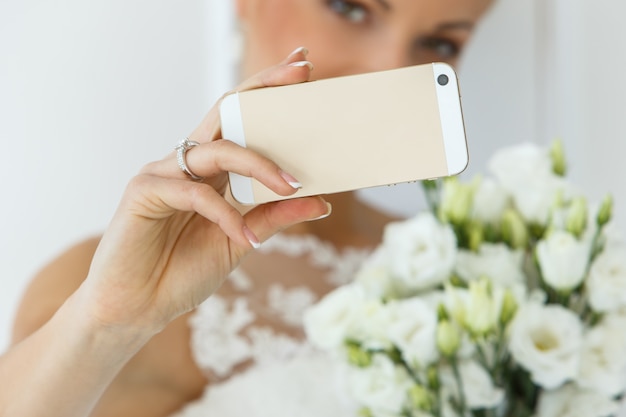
column 181, row 153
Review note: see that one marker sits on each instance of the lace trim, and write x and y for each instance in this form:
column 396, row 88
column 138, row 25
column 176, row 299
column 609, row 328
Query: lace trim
column 341, row 265
column 224, row 336
column 289, row 304
column 216, row 341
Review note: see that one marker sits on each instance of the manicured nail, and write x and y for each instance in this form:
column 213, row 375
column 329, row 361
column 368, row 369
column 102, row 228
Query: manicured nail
column 254, row 241
column 302, row 64
column 300, row 49
column 323, row 216
column 289, row 179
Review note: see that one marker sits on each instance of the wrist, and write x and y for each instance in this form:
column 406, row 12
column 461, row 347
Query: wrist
column 105, row 337
column 69, row 362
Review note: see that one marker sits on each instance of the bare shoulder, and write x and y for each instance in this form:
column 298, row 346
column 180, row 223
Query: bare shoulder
column 51, row 286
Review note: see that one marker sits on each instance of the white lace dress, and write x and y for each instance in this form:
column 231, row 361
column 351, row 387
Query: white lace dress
column 248, row 339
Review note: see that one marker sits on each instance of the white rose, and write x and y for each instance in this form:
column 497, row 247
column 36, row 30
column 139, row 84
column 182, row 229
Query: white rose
column 490, row 200
column 421, row 252
column 374, row 276
column 603, row 363
column 497, row 262
column 412, row 328
column 372, row 325
column 477, row 385
column 607, row 280
column 514, row 164
column 382, row 387
column 525, row 171
column 546, row 341
column 570, row 401
column 329, row 322
column 563, row 260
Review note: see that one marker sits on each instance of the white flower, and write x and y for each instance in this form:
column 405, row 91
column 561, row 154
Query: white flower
column 563, row 260
column 372, row 325
column 329, row 322
column 477, row 385
column 421, row 252
column 603, row 362
column 546, row 340
column 412, row 328
column 490, row 200
column 382, row 387
column 374, row 276
column 607, row 280
column 494, row 261
column 570, row 401
column 525, row 171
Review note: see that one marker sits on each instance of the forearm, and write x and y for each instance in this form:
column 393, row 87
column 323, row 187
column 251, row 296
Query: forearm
column 64, row 367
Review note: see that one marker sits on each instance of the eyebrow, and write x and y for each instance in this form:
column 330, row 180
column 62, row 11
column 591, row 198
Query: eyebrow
column 384, row 4
column 462, row 24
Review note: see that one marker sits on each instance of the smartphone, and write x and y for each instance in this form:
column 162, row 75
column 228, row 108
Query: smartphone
column 351, row 132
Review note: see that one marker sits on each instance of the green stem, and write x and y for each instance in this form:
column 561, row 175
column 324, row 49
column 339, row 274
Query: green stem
column 459, row 383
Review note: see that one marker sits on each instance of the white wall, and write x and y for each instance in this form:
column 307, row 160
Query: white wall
column 91, row 90
column 597, row 61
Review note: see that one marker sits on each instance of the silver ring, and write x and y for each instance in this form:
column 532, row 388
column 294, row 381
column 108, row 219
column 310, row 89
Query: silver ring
column 181, row 152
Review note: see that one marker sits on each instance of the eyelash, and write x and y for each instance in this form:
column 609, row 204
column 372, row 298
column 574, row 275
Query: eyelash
column 351, row 11
column 445, row 48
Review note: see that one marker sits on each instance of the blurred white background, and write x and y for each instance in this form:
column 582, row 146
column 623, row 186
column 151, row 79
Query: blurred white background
column 90, row 91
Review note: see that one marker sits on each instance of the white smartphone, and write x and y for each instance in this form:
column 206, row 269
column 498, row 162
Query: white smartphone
column 345, row 133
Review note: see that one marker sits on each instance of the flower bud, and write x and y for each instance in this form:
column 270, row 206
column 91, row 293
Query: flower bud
column 605, row 212
column 448, row 338
column 576, row 220
column 480, row 318
column 365, row 412
column 421, row 398
column 514, row 231
column 509, row 307
column 475, row 235
column 456, row 201
column 557, row 154
column 358, row 356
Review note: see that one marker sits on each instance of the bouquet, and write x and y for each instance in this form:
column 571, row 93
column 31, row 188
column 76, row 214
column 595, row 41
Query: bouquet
column 507, row 298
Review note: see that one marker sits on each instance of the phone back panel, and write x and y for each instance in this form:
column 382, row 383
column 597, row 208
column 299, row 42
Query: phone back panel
column 349, row 132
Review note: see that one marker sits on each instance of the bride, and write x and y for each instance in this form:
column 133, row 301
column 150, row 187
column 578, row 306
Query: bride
column 123, row 325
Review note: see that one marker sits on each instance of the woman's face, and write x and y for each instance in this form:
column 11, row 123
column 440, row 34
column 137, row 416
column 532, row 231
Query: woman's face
column 347, row 37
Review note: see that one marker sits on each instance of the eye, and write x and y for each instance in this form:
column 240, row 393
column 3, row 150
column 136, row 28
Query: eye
column 349, row 10
column 441, row 47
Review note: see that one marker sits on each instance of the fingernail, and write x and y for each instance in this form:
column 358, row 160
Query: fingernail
column 300, row 49
column 302, row 64
column 323, row 216
column 289, row 179
column 254, row 241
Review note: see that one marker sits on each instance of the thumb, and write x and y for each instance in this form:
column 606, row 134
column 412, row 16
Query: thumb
column 267, row 219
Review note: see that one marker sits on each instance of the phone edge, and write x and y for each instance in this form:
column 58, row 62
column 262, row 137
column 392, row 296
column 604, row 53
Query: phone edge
column 452, row 125
column 232, row 129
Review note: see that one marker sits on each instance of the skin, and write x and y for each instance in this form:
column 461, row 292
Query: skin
column 102, row 330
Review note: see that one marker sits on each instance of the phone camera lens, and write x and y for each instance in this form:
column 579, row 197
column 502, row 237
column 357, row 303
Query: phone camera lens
column 443, row 79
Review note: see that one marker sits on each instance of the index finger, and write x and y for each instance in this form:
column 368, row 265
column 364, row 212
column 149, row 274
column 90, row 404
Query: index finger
column 292, row 70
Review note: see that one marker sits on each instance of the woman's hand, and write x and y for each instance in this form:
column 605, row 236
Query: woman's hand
column 172, row 240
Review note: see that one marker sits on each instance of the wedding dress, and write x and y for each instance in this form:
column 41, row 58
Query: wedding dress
column 249, row 341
